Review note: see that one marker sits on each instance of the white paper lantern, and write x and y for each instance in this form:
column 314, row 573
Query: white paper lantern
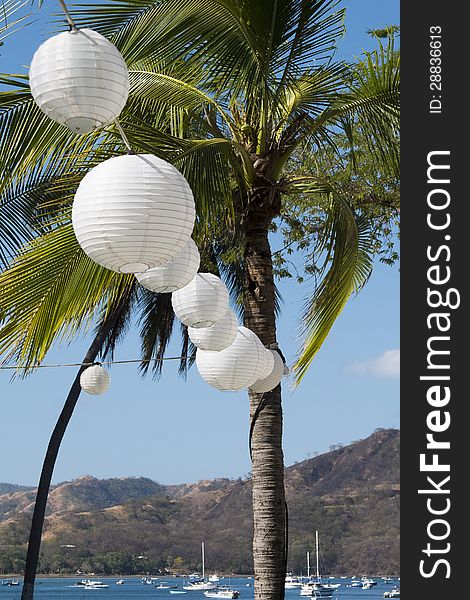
column 95, row 380
column 79, row 79
column 268, row 365
column 217, row 337
column 132, row 213
column 237, row 366
column 202, row 302
column 274, row 376
column 177, row 272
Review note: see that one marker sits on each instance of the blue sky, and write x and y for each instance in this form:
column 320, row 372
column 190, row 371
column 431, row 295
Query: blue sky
column 175, row 431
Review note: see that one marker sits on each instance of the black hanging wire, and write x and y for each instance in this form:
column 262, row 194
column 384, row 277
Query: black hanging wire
column 254, row 418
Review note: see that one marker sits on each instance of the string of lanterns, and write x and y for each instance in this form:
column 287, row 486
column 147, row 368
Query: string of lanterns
column 135, row 213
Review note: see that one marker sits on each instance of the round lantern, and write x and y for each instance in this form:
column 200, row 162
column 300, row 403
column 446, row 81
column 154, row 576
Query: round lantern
column 217, row 337
column 177, row 272
column 133, row 212
column 202, row 302
column 237, row 366
column 79, row 79
column 95, row 380
column 268, row 365
column 274, row 376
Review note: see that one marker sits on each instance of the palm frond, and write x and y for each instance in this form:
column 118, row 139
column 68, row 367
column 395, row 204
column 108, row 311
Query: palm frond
column 344, row 246
column 371, row 103
column 126, row 304
column 174, row 92
column 11, row 16
column 32, row 141
column 156, row 320
column 310, row 31
column 43, row 299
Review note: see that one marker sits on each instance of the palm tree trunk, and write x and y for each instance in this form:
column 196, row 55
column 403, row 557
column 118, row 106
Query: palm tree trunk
column 269, row 508
column 37, row 523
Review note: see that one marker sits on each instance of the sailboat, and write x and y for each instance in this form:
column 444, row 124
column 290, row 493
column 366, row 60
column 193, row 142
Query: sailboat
column 314, row 587
column 202, row 584
column 292, row 582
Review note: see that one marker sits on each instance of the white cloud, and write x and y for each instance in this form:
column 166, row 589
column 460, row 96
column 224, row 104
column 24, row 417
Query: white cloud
column 385, row 365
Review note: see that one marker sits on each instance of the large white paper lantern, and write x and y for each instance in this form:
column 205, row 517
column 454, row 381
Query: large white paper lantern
column 133, row 212
column 217, row 337
column 175, row 274
column 273, row 377
column 237, row 366
column 95, row 380
column 79, row 79
column 202, row 302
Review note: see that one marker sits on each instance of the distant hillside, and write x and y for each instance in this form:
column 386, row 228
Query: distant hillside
column 350, row 495
column 6, row 488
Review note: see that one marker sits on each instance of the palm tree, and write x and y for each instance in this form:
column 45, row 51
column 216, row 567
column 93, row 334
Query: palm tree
column 228, row 91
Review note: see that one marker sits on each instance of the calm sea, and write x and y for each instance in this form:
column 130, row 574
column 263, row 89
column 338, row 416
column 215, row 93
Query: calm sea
column 62, row 589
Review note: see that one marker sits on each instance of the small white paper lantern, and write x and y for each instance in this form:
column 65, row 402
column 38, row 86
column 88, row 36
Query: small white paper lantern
column 217, row 337
column 202, row 302
column 79, row 79
column 274, row 376
column 177, row 272
column 133, row 212
column 237, row 366
column 95, row 380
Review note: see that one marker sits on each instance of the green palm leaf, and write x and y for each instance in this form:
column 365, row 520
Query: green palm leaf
column 344, row 245
column 43, row 297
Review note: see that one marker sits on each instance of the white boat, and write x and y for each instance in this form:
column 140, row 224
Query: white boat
column 368, row 584
column 214, row 578
column 395, row 593
column 316, row 590
column 315, row 587
column 10, row 582
column 222, row 593
column 202, row 584
column 196, row 586
column 162, row 586
column 177, row 592
column 120, row 581
column 292, row 582
column 94, row 585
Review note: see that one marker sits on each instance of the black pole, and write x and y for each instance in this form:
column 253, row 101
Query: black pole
column 34, row 543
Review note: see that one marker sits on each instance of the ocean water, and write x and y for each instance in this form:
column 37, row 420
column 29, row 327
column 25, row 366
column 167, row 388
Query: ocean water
column 133, row 589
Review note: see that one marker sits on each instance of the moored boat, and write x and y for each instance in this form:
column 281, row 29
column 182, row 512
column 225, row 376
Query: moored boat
column 222, row 593
column 395, row 593
column 200, row 584
column 315, row 587
column 292, row 582
column 92, row 584
column 317, row 590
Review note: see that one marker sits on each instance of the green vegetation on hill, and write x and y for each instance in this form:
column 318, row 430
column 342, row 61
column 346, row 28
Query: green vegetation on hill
column 134, row 525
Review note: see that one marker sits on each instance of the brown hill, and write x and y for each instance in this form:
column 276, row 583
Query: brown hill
column 350, row 495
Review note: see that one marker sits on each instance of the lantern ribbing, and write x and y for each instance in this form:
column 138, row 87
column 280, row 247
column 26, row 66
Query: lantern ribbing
column 79, row 79
column 132, row 213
